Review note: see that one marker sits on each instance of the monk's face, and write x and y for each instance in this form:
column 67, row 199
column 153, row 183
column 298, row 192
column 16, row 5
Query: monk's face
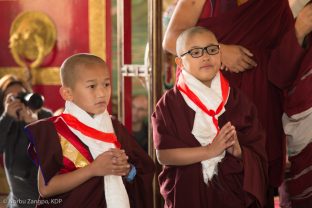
column 202, row 64
column 92, row 88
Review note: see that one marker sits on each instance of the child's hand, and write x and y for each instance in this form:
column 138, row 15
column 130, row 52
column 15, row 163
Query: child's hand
column 111, row 162
column 235, row 149
column 121, row 159
column 223, row 140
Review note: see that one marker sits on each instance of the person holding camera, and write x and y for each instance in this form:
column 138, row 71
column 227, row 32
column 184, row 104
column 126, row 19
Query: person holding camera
column 19, row 107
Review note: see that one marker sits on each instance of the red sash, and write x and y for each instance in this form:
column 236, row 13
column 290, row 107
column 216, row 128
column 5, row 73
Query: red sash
column 90, row 132
column 191, row 95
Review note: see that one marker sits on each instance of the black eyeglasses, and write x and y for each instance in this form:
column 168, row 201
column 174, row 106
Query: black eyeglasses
column 199, row 52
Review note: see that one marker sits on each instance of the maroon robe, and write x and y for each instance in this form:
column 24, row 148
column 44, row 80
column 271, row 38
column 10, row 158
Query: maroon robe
column 299, row 99
column 48, row 154
column 266, row 28
column 239, row 183
column 299, row 183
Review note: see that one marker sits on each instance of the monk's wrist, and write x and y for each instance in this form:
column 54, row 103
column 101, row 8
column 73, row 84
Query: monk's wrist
column 210, row 152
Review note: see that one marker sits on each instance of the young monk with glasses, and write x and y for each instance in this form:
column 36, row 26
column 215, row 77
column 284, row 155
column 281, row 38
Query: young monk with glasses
column 207, row 134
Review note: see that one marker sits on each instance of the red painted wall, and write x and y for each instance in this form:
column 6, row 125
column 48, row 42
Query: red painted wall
column 71, row 21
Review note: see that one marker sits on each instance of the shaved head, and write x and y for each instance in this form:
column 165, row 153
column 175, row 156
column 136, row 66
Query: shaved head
column 73, row 65
column 187, row 35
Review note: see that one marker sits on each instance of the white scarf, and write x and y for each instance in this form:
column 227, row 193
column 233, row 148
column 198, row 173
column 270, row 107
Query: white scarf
column 204, row 129
column 115, row 191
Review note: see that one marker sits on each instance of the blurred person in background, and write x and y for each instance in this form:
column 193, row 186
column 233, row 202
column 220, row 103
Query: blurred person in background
column 139, row 120
column 20, row 171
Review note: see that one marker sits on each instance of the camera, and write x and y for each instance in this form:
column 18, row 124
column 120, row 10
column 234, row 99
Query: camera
column 32, row 100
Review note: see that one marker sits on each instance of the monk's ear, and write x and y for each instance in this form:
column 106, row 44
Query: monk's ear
column 66, row 93
column 178, row 61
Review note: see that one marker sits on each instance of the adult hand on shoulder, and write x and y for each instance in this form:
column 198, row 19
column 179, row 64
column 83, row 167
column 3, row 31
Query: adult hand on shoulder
column 236, row 58
column 303, row 24
column 12, row 106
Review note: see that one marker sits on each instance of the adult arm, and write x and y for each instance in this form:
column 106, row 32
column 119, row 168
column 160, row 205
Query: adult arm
column 303, row 24
column 185, row 15
column 285, row 58
column 235, row 58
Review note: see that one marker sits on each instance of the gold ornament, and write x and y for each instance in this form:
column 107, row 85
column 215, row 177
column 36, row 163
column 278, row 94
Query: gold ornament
column 32, row 37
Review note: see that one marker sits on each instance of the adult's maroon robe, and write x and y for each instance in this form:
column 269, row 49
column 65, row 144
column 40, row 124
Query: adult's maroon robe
column 266, row 28
column 239, row 183
column 46, row 143
column 299, row 99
